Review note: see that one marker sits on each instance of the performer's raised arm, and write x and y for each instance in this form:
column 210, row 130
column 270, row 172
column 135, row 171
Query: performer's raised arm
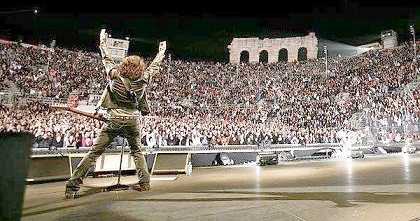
column 140, row 84
column 109, row 65
column 106, row 59
column 154, row 67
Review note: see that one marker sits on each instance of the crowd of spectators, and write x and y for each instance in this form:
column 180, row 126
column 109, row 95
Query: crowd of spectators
column 51, row 128
column 200, row 103
column 394, row 117
column 50, row 72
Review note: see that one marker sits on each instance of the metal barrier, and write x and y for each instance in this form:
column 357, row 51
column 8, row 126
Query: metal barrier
column 197, row 149
column 68, row 158
column 221, row 148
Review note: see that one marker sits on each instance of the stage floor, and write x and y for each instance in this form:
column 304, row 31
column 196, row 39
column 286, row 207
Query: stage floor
column 376, row 188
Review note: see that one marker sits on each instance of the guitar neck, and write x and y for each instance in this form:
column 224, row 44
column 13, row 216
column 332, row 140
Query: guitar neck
column 86, row 114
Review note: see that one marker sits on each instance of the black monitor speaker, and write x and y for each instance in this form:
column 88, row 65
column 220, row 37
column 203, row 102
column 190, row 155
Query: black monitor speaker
column 15, row 149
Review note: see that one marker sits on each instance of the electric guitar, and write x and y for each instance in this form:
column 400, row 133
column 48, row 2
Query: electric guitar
column 96, row 116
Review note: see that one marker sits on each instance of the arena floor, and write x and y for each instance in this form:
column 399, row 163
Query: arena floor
column 375, row 188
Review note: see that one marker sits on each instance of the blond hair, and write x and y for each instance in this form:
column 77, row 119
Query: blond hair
column 132, row 67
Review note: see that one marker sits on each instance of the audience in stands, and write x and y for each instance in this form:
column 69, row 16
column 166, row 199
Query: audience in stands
column 204, row 103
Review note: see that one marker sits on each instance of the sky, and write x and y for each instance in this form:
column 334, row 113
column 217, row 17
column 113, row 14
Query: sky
column 219, row 7
column 203, row 28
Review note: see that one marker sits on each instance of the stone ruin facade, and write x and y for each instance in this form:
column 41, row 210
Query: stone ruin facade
column 268, row 50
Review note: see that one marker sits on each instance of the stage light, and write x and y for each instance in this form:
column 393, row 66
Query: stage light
column 412, row 29
column 34, row 11
column 326, row 60
column 413, row 33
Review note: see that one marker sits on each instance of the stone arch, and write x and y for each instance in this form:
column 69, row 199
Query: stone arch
column 263, row 56
column 283, row 55
column 302, row 54
column 244, row 57
column 253, row 46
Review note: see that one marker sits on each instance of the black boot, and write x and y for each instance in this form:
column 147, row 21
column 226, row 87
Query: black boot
column 141, row 187
column 72, row 187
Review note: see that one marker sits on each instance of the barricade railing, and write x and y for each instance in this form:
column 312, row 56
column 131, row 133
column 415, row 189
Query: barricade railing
column 222, row 148
column 196, row 149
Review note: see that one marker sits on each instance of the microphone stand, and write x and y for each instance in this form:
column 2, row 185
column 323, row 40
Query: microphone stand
column 119, row 186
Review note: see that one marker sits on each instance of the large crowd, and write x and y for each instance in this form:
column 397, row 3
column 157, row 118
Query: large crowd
column 51, row 128
column 203, row 103
column 394, row 116
column 50, row 72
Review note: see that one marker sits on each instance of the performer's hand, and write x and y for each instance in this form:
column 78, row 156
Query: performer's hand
column 162, row 46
